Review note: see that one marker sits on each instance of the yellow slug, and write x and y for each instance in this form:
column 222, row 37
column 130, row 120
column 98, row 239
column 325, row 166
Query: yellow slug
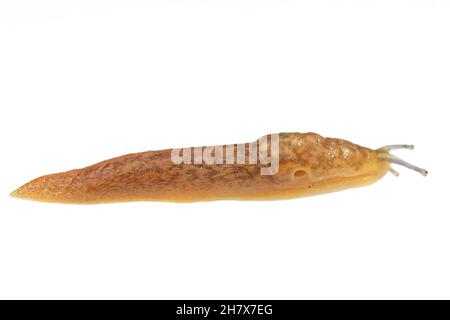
column 277, row 166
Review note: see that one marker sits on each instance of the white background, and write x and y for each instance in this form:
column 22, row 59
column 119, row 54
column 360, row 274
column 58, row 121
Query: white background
column 84, row 81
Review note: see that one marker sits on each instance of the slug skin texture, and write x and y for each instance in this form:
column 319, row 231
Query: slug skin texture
column 308, row 164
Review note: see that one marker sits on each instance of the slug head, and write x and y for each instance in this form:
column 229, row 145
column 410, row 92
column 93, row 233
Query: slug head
column 316, row 164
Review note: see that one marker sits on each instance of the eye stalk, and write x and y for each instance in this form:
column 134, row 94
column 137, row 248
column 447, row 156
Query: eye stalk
column 385, row 155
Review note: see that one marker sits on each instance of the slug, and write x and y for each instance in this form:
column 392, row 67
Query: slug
column 276, row 166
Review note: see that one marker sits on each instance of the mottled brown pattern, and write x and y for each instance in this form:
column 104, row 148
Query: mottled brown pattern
column 322, row 155
column 329, row 164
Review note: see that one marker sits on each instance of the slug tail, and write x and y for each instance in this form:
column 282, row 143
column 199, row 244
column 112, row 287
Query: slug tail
column 49, row 188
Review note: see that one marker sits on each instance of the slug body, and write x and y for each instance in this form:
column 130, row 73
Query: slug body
column 307, row 164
